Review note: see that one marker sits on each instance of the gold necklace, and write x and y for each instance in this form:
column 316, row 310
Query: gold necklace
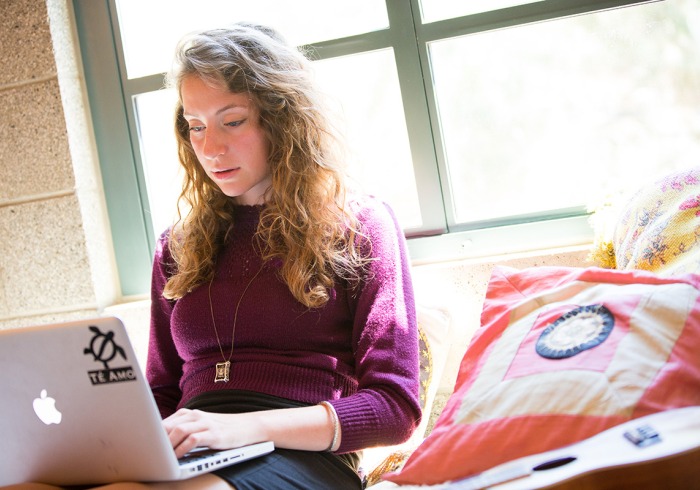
column 223, row 369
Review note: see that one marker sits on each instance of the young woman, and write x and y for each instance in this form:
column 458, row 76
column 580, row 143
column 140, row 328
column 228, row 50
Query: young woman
column 282, row 306
column 277, row 295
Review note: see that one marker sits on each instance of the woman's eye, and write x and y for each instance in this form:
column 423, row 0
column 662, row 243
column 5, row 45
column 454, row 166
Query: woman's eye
column 196, row 129
column 234, row 124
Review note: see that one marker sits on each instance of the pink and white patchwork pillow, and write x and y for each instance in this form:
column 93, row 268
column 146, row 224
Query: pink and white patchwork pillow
column 563, row 354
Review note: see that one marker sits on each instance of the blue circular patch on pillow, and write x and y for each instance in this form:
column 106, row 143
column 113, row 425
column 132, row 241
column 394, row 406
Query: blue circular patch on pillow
column 576, row 331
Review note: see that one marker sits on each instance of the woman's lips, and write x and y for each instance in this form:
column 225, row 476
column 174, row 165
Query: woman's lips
column 222, row 174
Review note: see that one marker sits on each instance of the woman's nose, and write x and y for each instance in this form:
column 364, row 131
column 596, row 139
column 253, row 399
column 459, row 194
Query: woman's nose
column 214, row 143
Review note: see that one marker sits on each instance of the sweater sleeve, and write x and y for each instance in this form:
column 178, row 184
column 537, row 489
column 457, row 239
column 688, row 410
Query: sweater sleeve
column 386, row 408
column 163, row 365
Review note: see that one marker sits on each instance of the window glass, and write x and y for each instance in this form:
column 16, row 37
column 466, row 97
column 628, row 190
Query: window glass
column 151, row 29
column 434, row 10
column 365, row 96
column 563, row 113
column 161, row 167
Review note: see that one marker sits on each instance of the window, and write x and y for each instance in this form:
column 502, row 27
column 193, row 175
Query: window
column 489, row 126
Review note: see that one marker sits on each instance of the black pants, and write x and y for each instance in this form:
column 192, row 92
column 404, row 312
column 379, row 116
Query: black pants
column 283, row 469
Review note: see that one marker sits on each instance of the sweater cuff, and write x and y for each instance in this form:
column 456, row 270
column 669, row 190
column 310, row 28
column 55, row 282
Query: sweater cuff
column 358, row 423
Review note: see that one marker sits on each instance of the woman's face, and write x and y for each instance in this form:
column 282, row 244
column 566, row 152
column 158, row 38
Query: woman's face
column 227, row 138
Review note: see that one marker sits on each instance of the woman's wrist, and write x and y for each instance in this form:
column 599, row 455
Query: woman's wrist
column 335, row 442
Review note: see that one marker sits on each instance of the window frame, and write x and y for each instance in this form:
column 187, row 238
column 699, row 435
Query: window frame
column 110, row 95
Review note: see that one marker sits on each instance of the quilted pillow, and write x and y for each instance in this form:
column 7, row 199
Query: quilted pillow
column 563, row 354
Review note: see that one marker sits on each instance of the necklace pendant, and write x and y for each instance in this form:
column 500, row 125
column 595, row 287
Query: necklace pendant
column 223, row 370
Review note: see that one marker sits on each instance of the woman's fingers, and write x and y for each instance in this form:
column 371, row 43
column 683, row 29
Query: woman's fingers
column 187, row 429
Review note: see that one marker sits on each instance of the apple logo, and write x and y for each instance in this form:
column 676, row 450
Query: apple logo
column 45, row 409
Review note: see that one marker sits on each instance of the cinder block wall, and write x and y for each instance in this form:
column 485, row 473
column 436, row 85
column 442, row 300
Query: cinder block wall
column 53, row 262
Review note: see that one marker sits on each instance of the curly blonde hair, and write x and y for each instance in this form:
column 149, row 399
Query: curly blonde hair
column 305, row 221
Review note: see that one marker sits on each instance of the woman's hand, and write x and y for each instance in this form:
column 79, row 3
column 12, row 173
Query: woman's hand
column 307, row 428
column 188, row 429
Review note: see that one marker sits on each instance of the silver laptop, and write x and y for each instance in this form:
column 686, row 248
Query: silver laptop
column 75, row 409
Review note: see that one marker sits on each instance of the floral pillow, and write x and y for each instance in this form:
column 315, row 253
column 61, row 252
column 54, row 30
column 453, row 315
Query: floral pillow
column 433, row 330
column 660, row 227
column 563, row 354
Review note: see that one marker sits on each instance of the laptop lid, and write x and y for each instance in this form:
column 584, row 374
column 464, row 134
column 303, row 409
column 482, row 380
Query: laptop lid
column 76, row 409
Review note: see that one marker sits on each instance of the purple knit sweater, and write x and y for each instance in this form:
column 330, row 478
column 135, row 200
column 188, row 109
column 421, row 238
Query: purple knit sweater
column 360, row 351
